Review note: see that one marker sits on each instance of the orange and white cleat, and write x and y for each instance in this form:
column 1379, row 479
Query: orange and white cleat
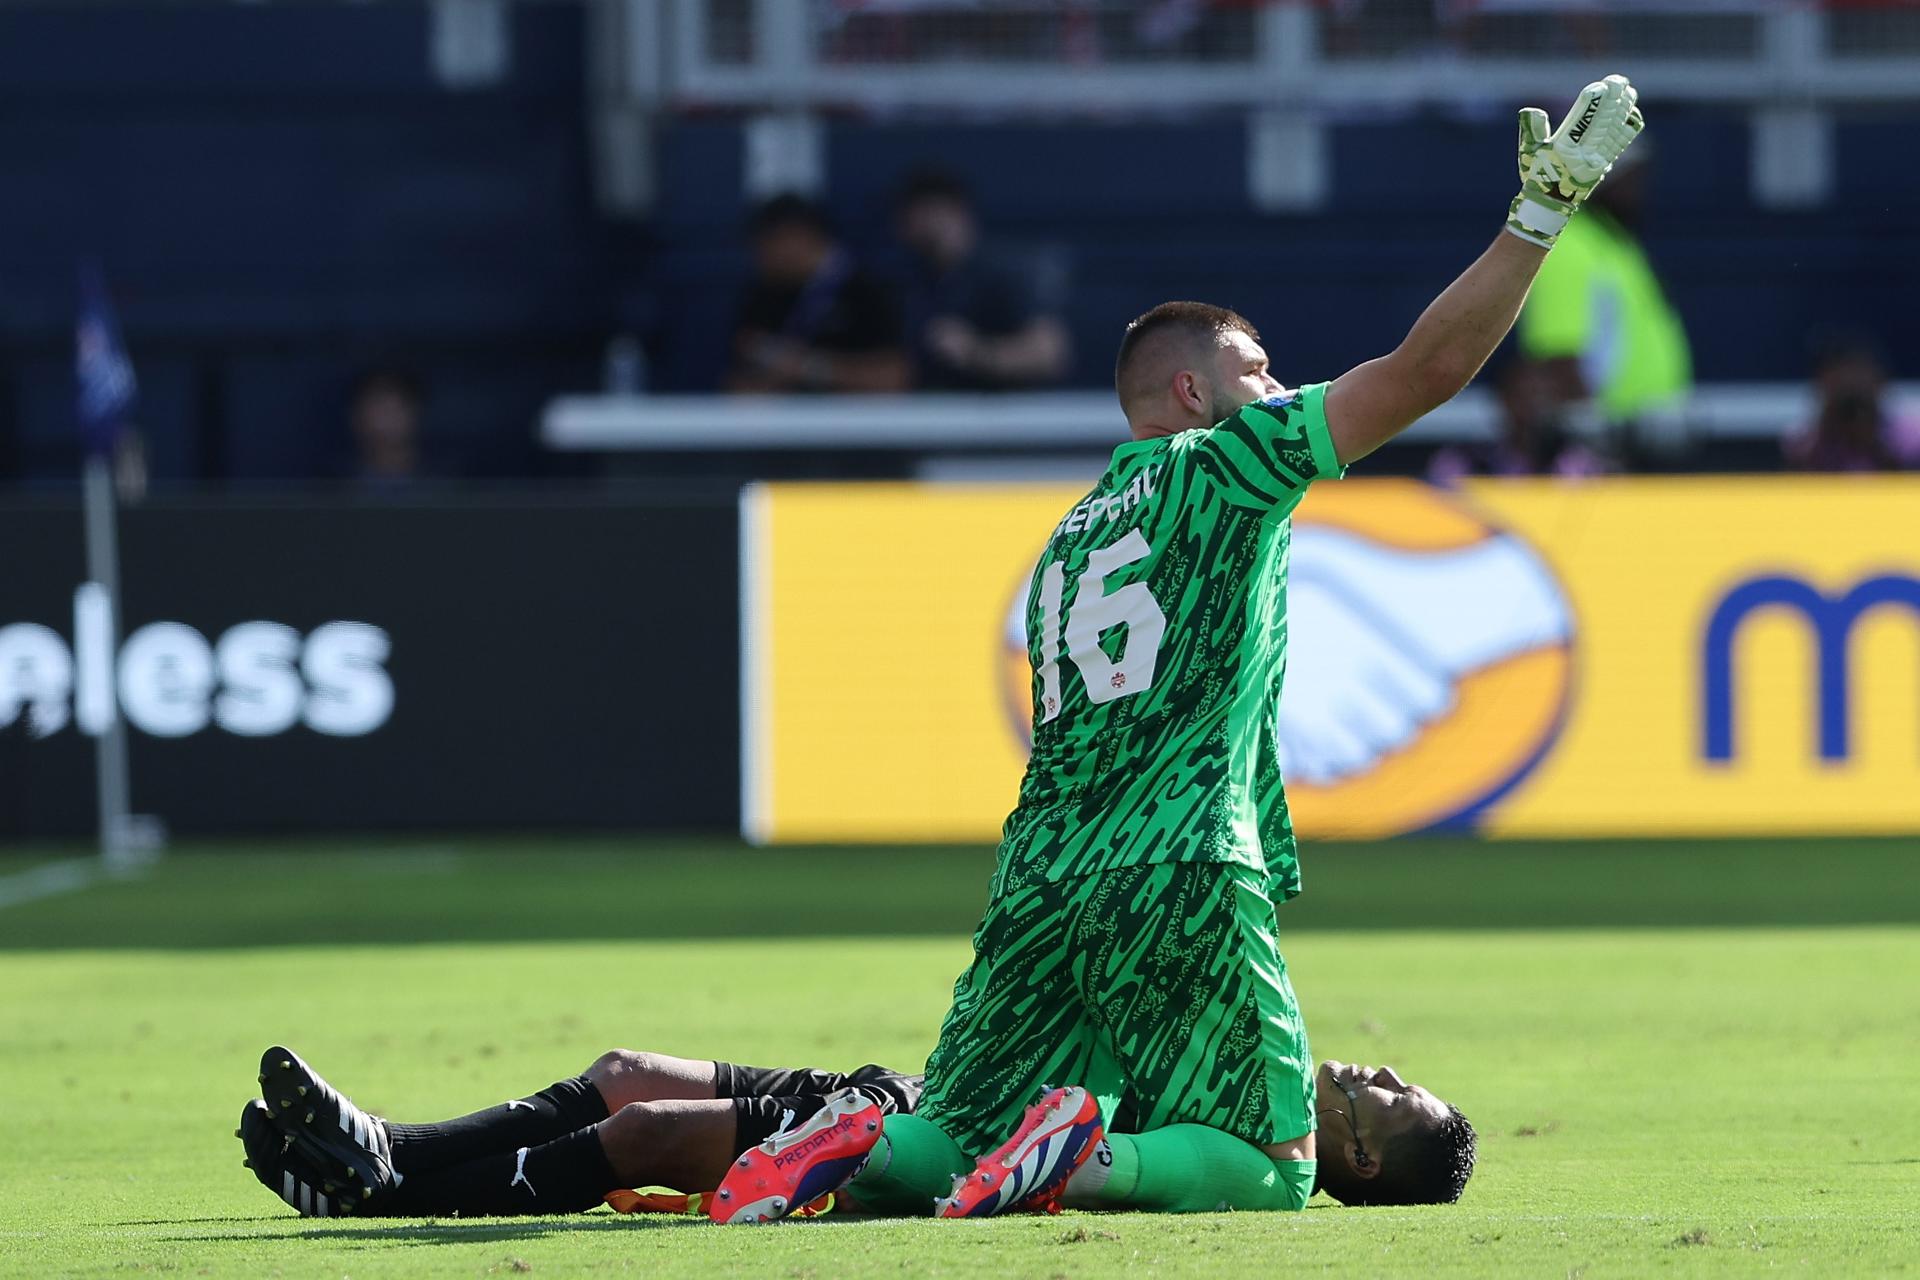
column 1031, row 1168
column 798, row 1167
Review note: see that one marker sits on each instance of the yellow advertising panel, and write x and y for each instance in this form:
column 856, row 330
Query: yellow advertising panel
column 1519, row 657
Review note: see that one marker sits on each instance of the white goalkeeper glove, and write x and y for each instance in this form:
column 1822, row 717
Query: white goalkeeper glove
column 1558, row 171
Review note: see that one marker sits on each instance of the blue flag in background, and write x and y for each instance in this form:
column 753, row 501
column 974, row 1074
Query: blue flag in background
column 103, row 375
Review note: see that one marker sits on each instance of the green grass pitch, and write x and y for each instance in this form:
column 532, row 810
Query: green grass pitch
column 1683, row 1059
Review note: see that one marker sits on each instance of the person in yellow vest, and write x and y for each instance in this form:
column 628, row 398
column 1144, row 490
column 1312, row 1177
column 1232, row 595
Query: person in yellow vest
column 1598, row 324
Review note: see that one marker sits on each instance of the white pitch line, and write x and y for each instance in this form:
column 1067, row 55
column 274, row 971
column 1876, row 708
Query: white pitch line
column 47, row 881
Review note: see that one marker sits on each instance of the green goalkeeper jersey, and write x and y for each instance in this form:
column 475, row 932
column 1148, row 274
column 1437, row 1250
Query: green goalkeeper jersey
column 1156, row 629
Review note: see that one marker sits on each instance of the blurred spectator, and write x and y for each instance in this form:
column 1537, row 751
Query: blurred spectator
column 812, row 320
column 1533, row 437
column 1598, row 323
column 384, row 415
column 976, row 322
column 1853, row 429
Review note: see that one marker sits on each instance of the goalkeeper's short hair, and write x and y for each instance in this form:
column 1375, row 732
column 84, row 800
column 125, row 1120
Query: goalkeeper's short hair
column 1194, row 324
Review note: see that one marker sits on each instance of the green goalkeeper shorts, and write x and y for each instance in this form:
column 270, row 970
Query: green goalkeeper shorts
column 1161, row 984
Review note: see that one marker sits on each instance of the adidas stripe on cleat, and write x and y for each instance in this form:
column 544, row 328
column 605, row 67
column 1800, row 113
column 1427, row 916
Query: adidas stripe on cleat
column 288, row 1168
column 347, row 1145
column 1030, row 1170
column 799, row 1166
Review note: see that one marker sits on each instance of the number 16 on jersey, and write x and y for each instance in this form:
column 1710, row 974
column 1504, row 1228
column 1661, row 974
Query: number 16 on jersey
column 1095, row 612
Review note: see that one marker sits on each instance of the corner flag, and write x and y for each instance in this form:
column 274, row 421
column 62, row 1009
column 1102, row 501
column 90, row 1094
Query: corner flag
column 102, row 372
column 104, row 394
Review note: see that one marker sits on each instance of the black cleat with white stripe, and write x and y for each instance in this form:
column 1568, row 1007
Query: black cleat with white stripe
column 344, row 1144
column 291, row 1169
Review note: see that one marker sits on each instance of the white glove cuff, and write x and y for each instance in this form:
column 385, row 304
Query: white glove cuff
column 1544, row 221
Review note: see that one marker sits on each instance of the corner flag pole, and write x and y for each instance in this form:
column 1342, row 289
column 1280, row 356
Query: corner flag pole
column 104, row 403
column 96, row 612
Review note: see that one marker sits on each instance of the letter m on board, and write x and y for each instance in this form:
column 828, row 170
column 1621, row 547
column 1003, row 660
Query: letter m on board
column 1832, row 619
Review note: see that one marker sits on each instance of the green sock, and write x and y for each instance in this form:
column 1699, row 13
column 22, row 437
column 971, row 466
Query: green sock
column 914, row 1164
column 1188, row 1168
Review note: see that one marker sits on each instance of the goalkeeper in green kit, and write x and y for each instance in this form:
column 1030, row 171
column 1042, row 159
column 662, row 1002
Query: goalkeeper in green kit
column 1129, row 946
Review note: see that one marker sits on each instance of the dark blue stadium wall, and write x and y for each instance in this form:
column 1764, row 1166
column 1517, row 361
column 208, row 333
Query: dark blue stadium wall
column 282, row 195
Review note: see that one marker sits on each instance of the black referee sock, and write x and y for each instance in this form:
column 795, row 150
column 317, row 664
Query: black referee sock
column 554, row 1112
column 567, row 1175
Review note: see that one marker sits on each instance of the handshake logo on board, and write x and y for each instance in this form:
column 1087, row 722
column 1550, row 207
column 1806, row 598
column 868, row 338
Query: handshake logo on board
column 256, row 680
column 1385, row 638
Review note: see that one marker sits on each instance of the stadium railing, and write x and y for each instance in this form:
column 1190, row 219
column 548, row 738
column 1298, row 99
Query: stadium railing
column 1059, row 420
column 1292, row 65
column 1019, row 55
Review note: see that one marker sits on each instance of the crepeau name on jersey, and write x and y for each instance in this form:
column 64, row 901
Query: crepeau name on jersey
column 1108, row 506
